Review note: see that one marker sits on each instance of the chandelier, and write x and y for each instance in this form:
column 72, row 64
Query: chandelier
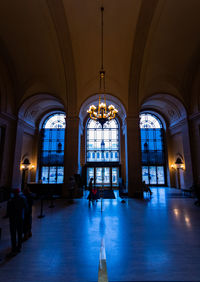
column 104, row 112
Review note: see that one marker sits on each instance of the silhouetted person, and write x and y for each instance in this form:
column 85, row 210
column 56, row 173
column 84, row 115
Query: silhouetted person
column 121, row 187
column 93, row 191
column 16, row 208
column 72, row 186
column 27, row 227
column 90, row 189
column 146, row 188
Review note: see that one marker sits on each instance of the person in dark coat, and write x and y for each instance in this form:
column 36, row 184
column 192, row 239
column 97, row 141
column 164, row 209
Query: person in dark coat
column 27, row 226
column 90, row 189
column 146, row 188
column 16, row 209
column 93, row 191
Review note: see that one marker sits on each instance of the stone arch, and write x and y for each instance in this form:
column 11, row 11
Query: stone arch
column 168, row 106
column 147, row 11
column 58, row 15
column 175, row 115
column 36, row 106
column 30, row 113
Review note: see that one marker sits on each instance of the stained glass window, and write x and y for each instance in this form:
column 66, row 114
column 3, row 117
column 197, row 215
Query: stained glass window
column 152, row 148
column 52, row 149
column 102, row 143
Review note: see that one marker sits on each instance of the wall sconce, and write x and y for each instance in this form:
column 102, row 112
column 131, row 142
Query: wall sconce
column 179, row 163
column 25, row 164
column 173, row 166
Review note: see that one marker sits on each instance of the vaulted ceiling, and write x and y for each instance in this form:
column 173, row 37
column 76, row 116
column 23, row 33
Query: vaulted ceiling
column 53, row 47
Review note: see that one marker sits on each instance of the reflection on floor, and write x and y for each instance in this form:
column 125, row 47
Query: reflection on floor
column 157, row 238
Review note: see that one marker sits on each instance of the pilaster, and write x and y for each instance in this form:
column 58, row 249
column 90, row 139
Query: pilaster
column 71, row 150
column 134, row 157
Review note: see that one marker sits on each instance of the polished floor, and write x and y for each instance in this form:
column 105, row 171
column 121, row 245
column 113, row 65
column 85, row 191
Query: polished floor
column 155, row 239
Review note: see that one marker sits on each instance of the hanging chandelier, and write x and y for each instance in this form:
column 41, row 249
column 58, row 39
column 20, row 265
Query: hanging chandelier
column 104, row 112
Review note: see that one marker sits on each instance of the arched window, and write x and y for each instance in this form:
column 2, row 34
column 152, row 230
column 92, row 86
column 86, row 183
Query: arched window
column 102, row 153
column 152, row 148
column 52, row 149
column 103, row 143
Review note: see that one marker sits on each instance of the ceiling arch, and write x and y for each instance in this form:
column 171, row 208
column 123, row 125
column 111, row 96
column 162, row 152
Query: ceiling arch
column 36, row 106
column 171, row 47
column 37, row 38
column 151, row 46
column 167, row 105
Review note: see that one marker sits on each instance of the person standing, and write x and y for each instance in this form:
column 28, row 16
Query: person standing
column 16, row 208
column 90, row 189
column 146, row 188
column 93, row 191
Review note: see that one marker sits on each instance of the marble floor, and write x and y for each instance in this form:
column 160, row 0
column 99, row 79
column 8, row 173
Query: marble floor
column 155, row 239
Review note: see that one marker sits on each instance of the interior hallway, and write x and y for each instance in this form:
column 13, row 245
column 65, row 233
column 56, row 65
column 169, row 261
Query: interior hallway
column 156, row 239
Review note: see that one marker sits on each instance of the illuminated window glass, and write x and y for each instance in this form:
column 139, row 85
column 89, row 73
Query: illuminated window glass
column 152, row 148
column 52, row 149
column 102, row 143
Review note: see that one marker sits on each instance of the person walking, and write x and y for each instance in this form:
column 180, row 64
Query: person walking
column 93, row 196
column 16, row 208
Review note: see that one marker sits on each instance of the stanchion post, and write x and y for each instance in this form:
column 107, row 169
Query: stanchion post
column 41, row 209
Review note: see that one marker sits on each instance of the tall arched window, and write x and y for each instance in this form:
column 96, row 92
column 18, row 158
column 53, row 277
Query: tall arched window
column 52, row 149
column 102, row 152
column 152, row 147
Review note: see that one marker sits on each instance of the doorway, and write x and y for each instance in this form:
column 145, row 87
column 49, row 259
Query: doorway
column 103, row 176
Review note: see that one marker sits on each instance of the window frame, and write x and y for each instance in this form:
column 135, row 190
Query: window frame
column 118, row 150
column 150, row 164
column 41, row 142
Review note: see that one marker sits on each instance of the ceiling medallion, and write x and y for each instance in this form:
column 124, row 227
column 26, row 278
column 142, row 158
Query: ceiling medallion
column 104, row 112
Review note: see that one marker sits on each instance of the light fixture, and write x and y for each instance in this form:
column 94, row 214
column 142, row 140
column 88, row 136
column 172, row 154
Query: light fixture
column 173, row 166
column 104, row 113
column 179, row 163
column 25, row 164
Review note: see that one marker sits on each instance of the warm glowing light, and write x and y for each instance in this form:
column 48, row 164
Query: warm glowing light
column 176, row 212
column 178, row 166
column 187, row 221
column 32, row 166
column 22, row 166
column 103, row 113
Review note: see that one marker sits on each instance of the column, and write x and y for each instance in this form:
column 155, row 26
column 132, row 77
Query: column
column 71, row 150
column 188, row 173
column 133, row 155
column 16, row 175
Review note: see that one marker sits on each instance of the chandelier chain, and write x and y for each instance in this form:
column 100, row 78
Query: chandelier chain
column 102, row 42
column 103, row 113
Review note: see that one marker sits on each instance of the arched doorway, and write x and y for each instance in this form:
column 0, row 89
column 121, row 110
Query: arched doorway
column 152, row 149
